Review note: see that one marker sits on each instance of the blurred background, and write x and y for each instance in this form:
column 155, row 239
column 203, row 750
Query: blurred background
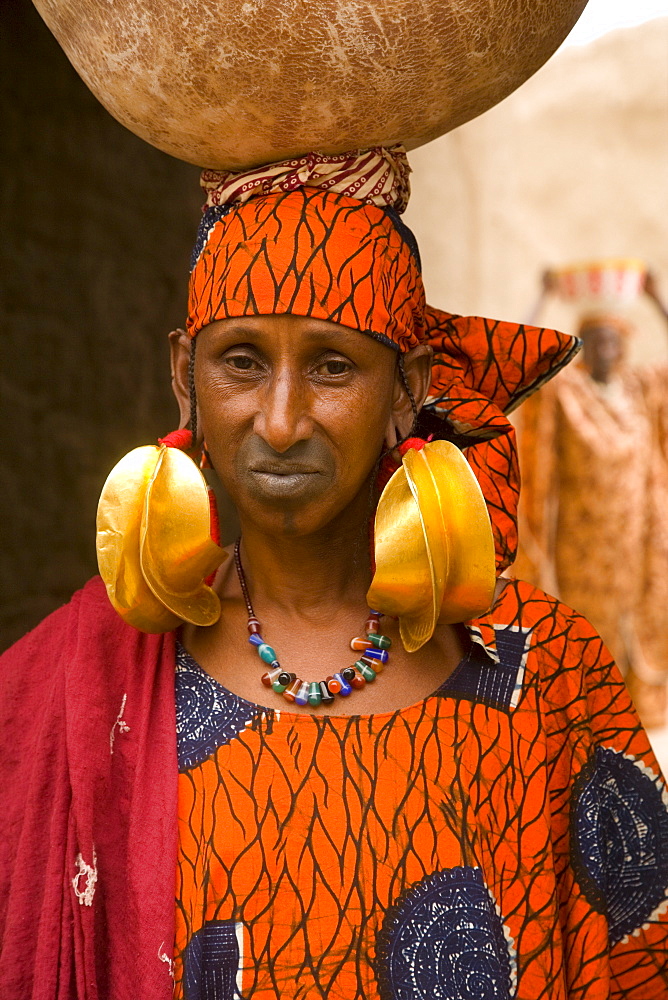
column 97, row 229
column 572, row 169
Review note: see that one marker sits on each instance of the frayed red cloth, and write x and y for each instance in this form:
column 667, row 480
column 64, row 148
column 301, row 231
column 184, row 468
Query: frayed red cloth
column 411, row 444
column 389, row 466
column 88, row 831
column 182, row 439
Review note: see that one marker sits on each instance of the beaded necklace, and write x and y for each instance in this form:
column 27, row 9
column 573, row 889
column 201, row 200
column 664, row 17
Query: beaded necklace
column 373, row 646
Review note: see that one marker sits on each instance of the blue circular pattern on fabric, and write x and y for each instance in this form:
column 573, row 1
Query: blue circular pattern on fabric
column 619, row 826
column 444, row 940
column 207, row 715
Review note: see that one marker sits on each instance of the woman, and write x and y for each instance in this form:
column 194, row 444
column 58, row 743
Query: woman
column 484, row 819
column 595, row 485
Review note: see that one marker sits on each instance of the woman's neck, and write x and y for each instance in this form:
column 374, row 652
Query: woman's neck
column 305, row 575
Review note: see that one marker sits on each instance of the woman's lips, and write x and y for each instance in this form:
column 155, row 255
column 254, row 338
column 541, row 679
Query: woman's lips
column 285, row 469
column 285, row 481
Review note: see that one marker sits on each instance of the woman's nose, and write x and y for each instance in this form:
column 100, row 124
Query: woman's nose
column 283, row 416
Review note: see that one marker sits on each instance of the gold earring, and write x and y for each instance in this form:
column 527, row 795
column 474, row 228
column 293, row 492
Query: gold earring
column 154, row 544
column 434, row 548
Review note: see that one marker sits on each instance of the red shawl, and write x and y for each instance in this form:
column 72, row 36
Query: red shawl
column 93, row 812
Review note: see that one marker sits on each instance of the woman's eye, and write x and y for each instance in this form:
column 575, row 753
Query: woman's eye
column 241, row 362
column 335, row 367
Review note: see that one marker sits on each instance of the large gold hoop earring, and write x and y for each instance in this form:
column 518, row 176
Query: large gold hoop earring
column 155, row 548
column 433, row 543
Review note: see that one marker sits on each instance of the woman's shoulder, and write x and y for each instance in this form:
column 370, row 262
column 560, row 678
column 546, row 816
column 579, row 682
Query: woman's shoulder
column 90, row 603
column 577, row 681
column 543, row 656
column 66, row 680
column 83, row 637
column 564, row 653
column 551, row 623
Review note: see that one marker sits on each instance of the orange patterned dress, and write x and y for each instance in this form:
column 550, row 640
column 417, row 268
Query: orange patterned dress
column 506, row 837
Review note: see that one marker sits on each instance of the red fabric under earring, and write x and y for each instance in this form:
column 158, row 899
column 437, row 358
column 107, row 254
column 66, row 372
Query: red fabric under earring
column 182, row 439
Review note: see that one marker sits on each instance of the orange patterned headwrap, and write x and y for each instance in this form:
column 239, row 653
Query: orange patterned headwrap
column 310, row 253
column 300, row 247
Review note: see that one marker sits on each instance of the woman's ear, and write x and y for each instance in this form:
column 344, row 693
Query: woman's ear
column 179, row 350
column 414, row 372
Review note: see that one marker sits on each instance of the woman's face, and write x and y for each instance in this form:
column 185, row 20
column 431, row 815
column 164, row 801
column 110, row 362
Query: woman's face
column 295, row 413
column 603, row 350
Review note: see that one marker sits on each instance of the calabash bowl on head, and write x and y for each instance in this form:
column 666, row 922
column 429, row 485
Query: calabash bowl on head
column 235, row 83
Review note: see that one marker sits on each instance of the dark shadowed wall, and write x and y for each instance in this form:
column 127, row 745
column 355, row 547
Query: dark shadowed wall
column 96, row 230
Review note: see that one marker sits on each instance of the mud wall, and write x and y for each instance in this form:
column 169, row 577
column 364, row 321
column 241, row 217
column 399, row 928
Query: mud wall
column 573, row 166
column 96, row 230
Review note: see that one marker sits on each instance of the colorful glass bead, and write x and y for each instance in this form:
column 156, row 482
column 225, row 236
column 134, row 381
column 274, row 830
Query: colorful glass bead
column 376, row 654
column 333, row 685
column 367, row 672
column 270, row 676
column 358, row 643
column 314, row 696
column 376, row 665
column 253, row 626
column 345, row 688
column 291, row 690
column 266, row 653
column 348, row 673
column 255, row 639
column 380, row 641
column 357, row 681
column 283, row 680
column 325, row 696
column 301, row 698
